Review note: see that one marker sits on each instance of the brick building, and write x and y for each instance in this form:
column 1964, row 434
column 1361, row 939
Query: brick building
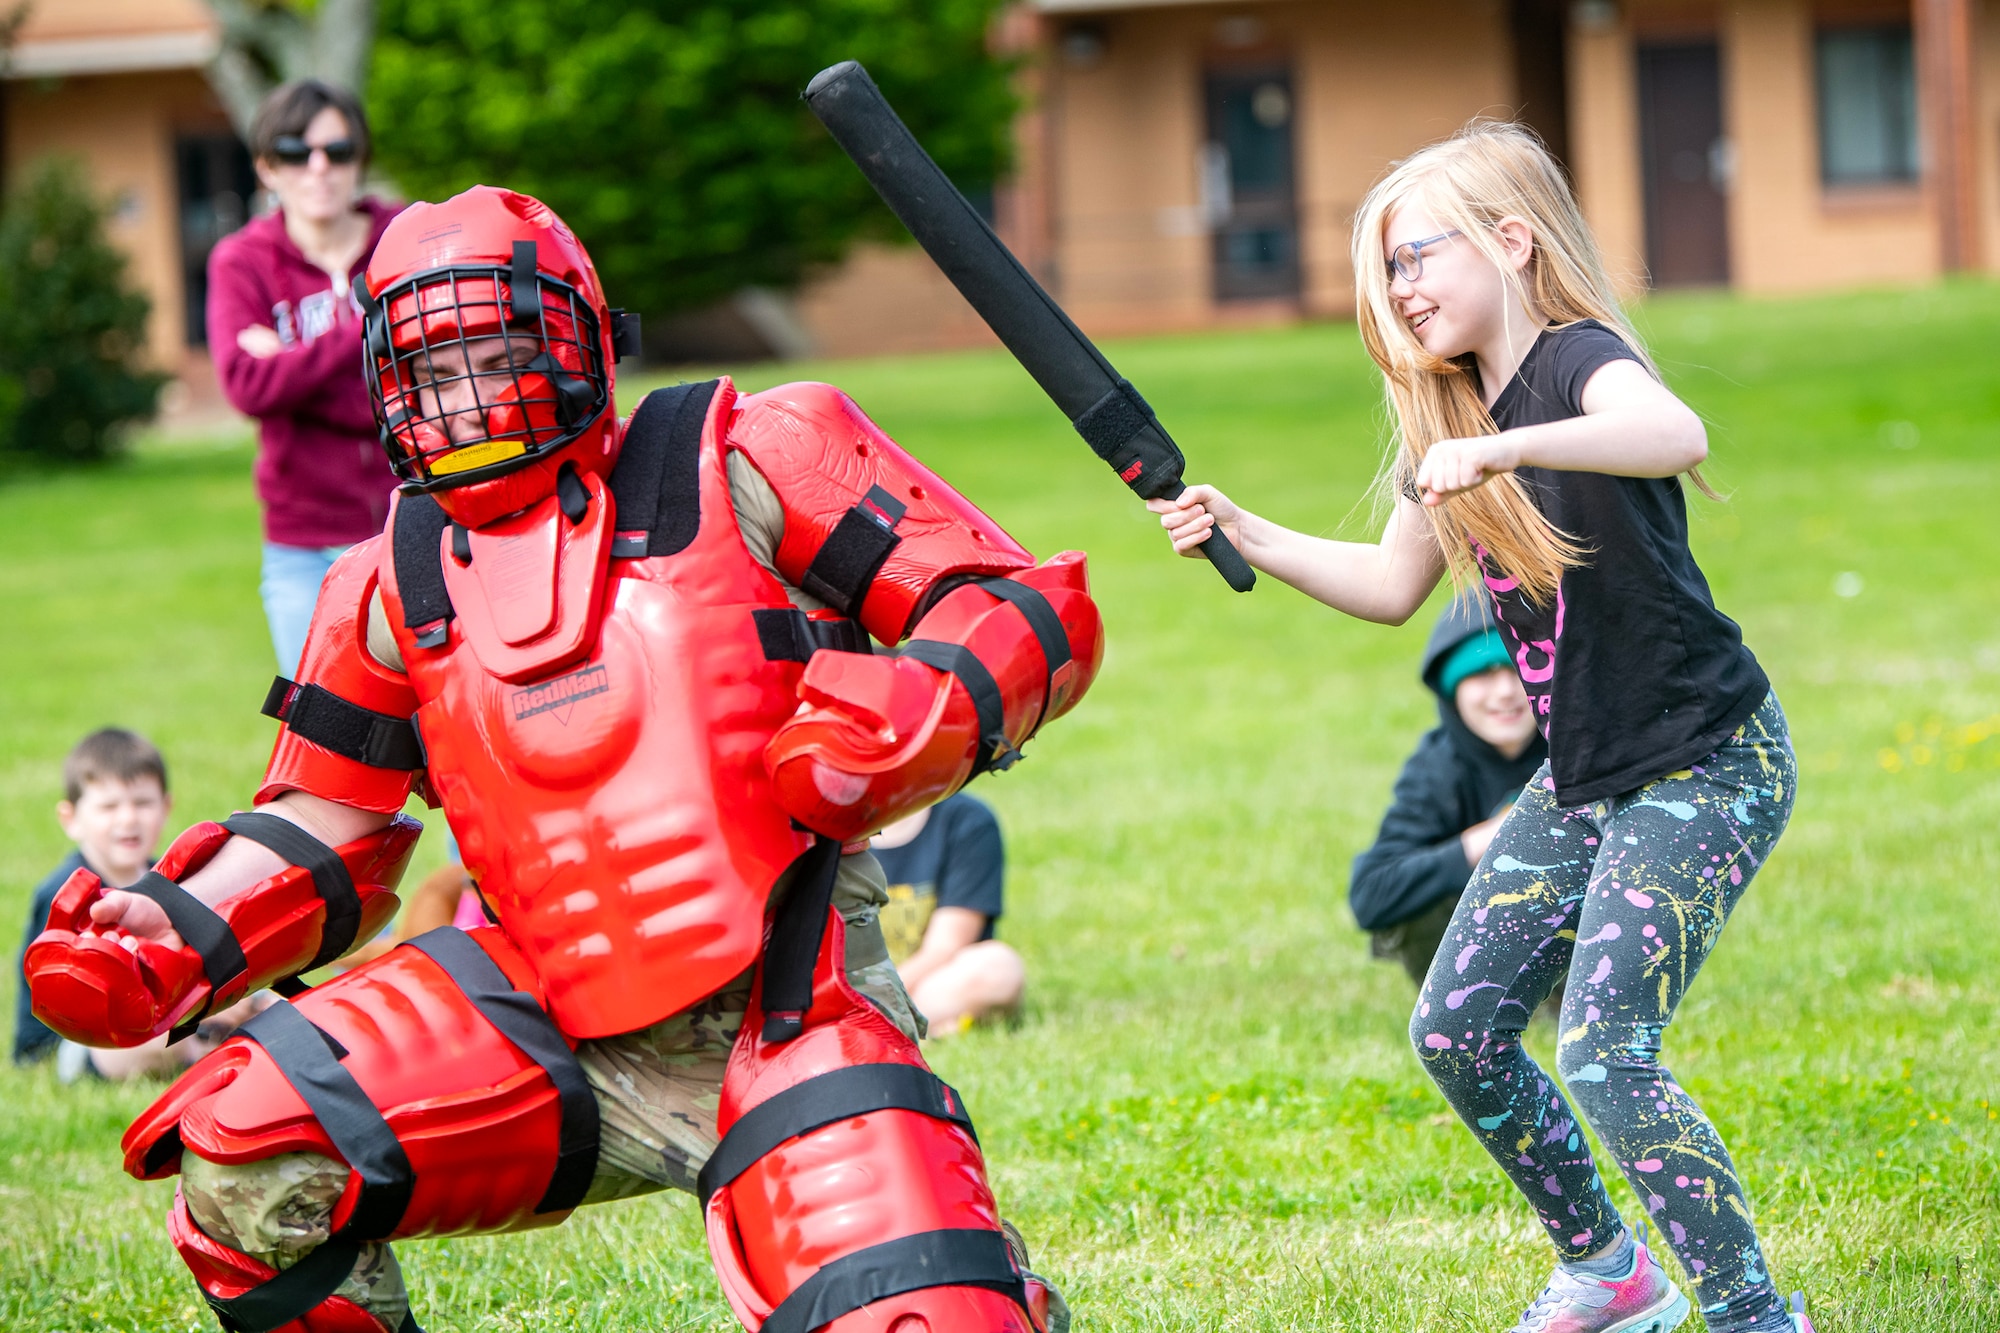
column 1188, row 164
column 1197, row 162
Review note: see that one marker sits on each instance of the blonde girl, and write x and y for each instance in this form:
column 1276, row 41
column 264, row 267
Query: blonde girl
column 1541, row 462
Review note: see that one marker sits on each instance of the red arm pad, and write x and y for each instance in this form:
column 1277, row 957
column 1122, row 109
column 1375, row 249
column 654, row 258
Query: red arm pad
column 106, row 987
column 337, row 661
column 850, row 494
column 877, row 738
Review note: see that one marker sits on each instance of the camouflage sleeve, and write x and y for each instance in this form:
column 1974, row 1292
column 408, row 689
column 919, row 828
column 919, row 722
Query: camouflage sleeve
column 760, row 517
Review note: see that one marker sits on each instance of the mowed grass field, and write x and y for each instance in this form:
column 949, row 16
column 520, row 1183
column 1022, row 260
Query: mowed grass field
column 1209, row 1117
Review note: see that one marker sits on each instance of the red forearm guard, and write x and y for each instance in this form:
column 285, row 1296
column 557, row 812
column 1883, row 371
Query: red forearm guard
column 876, row 738
column 869, row 530
column 107, row 987
column 357, row 704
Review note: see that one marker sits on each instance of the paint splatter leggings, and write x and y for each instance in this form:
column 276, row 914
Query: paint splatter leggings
column 1623, row 898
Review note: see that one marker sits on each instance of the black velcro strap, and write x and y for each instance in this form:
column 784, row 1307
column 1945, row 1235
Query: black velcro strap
column 1113, row 419
column 523, row 1022
column 838, row 1094
column 994, row 750
column 317, row 714
column 840, row 574
column 960, row 1257
column 1048, row 628
column 300, row 1288
column 526, row 287
column 329, row 876
column 656, row 486
column 577, row 398
column 200, row 929
column 625, row 337
column 571, row 493
column 374, row 327
column 359, row 1133
column 797, row 929
column 419, row 528
column 790, row 635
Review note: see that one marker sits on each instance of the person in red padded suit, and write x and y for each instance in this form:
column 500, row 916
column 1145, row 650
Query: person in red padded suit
column 632, row 662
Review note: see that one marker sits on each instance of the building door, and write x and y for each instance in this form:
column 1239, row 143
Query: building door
column 1247, row 184
column 1686, row 161
column 215, row 184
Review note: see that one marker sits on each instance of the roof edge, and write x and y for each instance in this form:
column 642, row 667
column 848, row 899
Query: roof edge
column 57, row 57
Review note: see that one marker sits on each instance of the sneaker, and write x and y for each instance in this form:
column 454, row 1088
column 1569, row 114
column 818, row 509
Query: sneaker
column 1647, row 1301
column 1800, row 1324
column 1045, row 1303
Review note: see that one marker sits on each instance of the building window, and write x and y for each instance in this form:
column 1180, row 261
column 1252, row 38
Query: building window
column 216, row 185
column 1867, row 106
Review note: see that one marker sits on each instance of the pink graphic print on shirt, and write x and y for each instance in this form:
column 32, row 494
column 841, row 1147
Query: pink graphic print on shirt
column 1535, row 633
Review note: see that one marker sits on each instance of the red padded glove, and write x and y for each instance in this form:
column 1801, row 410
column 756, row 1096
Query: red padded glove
column 104, row 986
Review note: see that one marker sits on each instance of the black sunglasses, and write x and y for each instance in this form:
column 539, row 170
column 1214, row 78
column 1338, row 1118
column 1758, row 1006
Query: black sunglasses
column 294, row 151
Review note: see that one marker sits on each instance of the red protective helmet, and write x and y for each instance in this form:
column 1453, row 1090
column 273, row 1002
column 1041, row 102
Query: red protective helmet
column 490, row 352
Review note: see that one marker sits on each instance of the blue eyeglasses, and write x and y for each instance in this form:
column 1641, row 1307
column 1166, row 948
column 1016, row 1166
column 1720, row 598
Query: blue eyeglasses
column 1407, row 259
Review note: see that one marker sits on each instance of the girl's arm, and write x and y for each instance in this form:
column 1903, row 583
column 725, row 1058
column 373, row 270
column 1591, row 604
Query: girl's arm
column 1383, row 581
column 1632, row 426
column 258, row 383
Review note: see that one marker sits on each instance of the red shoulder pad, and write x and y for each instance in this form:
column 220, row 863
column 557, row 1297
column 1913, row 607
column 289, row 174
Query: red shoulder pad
column 868, row 529
column 378, row 769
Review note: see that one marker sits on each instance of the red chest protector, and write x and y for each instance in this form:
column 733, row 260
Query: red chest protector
column 594, row 706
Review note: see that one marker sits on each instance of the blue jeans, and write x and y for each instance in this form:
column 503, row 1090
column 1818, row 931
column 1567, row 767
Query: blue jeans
column 290, row 587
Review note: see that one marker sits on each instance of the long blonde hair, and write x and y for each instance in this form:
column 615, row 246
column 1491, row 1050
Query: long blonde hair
column 1488, row 170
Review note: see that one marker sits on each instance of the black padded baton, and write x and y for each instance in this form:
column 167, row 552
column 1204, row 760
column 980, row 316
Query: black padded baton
column 1108, row 412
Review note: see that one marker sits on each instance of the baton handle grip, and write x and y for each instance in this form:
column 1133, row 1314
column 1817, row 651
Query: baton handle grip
column 1222, row 553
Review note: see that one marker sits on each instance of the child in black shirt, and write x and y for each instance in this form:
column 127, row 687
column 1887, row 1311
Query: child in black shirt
column 945, row 866
column 1541, row 458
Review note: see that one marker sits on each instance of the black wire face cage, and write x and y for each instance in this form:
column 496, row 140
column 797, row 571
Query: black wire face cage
column 513, row 349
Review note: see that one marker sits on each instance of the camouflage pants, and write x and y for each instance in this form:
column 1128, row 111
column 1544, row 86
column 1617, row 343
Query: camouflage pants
column 657, row 1094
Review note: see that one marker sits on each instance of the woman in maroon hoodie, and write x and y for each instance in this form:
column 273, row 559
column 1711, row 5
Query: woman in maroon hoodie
column 286, row 338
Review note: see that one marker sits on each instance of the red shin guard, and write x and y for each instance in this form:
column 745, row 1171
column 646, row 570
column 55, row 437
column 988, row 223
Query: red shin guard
column 226, row 1276
column 848, row 1191
column 457, row 1073
column 105, row 987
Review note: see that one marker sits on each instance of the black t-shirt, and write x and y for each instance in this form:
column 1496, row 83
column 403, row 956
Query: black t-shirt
column 1633, row 673
column 956, row 861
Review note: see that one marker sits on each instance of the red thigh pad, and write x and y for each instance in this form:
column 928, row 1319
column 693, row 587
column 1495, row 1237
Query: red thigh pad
column 848, row 1180
column 478, row 1116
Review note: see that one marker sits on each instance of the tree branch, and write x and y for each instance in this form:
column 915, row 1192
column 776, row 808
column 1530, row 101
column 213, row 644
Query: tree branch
column 264, row 43
column 343, row 34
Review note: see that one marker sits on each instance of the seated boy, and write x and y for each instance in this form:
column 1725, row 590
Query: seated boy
column 114, row 805
column 1452, row 793
column 115, row 802
column 944, row 866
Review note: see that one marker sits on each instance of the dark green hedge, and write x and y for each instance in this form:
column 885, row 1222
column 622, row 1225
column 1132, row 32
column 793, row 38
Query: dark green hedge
column 72, row 328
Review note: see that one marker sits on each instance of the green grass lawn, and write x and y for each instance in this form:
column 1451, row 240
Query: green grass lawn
column 1209, row 1118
